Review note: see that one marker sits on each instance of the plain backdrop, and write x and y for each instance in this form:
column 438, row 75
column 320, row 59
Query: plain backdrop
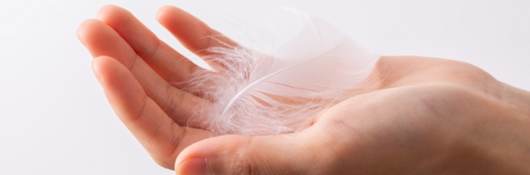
column 54, row 118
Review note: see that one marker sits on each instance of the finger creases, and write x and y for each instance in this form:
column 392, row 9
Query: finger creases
column 102, row 40
column 162, row 137
column 167, row 62
column 233, row 154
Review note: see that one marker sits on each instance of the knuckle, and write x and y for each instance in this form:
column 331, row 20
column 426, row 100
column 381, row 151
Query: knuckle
column 243, row 165
column 246, row 160
column 468, row 71
column 446, row 99
column 243, row 161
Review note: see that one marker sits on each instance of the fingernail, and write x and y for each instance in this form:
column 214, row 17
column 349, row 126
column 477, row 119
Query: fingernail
column 194, row 166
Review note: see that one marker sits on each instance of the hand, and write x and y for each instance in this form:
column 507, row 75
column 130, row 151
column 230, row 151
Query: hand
column 411, row 116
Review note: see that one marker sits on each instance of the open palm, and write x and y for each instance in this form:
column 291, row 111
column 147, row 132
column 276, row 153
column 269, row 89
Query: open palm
column 411, row 116
column 136, row 70
column 141, row 75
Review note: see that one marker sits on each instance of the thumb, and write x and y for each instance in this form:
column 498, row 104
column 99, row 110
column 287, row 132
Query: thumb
column 233, row 154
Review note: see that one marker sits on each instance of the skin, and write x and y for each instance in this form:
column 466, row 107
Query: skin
column 413, row 115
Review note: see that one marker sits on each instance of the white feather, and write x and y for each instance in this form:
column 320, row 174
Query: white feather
column 255, row 94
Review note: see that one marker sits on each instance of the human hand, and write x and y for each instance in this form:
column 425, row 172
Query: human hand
column 137, row 71
column 411, row 116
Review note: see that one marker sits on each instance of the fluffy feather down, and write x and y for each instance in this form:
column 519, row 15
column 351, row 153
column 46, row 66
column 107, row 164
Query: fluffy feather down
column 254, row 94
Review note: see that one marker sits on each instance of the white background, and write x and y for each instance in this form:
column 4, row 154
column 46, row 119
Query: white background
column 54, row 118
